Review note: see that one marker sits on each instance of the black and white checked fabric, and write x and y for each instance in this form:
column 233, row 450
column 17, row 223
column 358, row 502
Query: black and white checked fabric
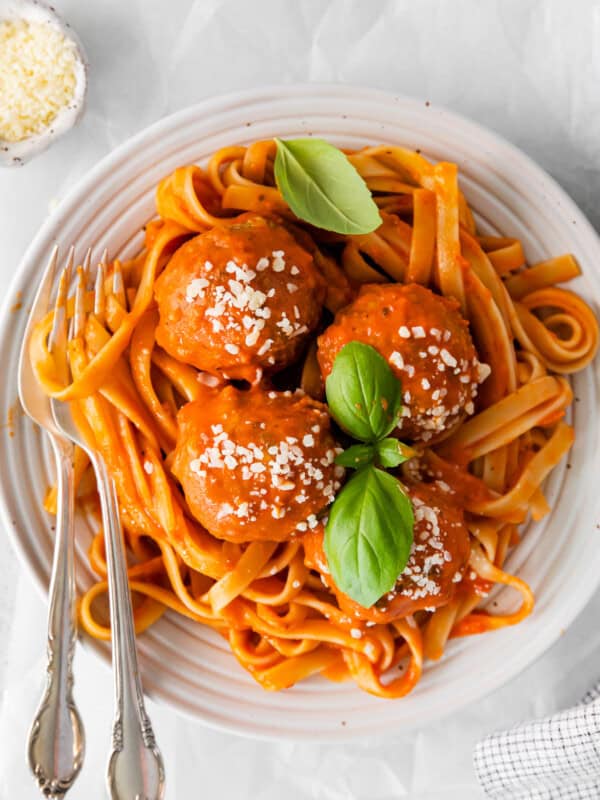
column 556, row 758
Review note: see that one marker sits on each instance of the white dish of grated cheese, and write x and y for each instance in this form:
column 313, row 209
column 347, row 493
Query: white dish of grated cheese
column 43, row 79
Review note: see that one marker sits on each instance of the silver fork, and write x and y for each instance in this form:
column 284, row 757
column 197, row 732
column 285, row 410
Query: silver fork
column 135, row 767
column 56, row 739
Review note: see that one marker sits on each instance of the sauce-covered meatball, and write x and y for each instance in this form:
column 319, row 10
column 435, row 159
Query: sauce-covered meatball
column 256, row 464
column 239, row 299
column 426, row 342
column 437, row 560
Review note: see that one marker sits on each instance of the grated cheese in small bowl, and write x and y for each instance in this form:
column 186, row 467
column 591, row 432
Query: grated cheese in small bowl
column 42, row 79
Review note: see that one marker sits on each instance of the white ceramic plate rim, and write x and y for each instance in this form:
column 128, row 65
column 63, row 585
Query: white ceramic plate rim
column 49, row 231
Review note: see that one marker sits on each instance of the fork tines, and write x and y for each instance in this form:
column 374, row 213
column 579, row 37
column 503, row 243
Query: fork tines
column 63, row 328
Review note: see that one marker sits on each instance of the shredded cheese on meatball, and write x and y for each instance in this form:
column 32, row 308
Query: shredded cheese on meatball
column 421, row 583
column 240, row 295
column 288, row 468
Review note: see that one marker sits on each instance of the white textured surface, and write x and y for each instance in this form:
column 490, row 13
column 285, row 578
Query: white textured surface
column 528, row 71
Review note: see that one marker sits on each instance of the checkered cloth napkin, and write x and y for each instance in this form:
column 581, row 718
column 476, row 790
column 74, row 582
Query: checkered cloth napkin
column 556, row 758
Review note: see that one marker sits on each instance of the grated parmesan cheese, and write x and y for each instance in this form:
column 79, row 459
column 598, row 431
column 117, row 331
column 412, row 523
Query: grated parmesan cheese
column 37, row 77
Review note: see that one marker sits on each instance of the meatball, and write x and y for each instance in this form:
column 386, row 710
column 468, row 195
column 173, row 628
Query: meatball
column 437, row 560
column 256, row 464
column 239, row 299
column 427, row 344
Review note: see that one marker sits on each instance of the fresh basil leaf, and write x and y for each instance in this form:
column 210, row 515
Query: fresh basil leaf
column 357, row 456
column 322, row 187
column 369, row 535
column 390, row 453
column 363, row 394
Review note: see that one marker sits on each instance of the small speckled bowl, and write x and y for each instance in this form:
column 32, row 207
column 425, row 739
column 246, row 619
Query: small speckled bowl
column 17, row 153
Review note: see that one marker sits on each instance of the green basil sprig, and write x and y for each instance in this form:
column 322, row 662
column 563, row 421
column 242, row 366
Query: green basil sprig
column 369, row 532
column 391, row 453
column 369, row 535
column 357, row 456
column 363, row 394
column 387, row 452
column 322, row 187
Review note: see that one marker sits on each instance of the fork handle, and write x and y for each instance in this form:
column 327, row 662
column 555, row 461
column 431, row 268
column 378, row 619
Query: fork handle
column 56, row 740
column 135, row 767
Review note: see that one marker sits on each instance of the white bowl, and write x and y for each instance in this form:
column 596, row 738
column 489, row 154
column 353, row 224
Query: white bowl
column 185, row 664
column 14, row 154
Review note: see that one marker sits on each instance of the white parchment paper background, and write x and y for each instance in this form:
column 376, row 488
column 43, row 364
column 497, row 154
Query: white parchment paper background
column 529, row 69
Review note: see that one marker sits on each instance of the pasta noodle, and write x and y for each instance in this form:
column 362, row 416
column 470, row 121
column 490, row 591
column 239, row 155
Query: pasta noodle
column 282, row 622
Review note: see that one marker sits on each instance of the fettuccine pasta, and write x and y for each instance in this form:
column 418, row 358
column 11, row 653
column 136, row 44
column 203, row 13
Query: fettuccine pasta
column 134, row 371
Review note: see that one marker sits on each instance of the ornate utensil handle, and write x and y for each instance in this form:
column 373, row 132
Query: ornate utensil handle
column 56, row 740
column 135, row 768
